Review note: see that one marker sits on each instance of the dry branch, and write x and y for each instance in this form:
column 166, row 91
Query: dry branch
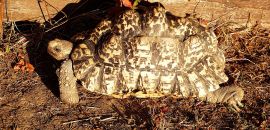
column 1, row 17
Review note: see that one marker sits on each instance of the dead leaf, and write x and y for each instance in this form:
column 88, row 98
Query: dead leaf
column 127, row 3
column 1, row 53
column 20, row 56
column 29, row 67
column 16, row 68
column 23, row 65
column 203, row 22
column 21, row 62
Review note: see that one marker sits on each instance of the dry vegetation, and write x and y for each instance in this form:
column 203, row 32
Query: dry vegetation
column 29, row 99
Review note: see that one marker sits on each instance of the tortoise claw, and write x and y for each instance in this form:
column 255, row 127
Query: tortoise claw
column 234, row 104
column 240, row 104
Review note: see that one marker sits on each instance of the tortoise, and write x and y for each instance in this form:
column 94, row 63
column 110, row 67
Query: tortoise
column 146, row 53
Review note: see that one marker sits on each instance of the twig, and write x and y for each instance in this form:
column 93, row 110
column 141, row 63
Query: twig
column 240, row 59
column 13, row 22
column 60, row 22
column 237, row 76
column 39, row 1
column 11, row 32
column 65, row 15
column 107, row 119
column 75, row 121
column 225, row 14
column 93, row 107
column 56, row 26
column 248, row 20
column 79, row 7
column 90, row 118
column 262, row 87
column 66, row 20
column 1, row 18
column 90, row 12
column 220, row 25
column 194, row 10
column 46, row 7
column 6, row 6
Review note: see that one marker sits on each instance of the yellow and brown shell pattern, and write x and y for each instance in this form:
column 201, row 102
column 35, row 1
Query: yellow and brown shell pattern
column 150, row 53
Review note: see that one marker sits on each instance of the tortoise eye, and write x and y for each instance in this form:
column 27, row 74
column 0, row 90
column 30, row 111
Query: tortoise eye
column 57, row 49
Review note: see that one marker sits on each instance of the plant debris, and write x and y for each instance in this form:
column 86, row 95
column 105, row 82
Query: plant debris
column 23, row 65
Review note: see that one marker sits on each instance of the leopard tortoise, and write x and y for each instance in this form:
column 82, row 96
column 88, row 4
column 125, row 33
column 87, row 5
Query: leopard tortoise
column 146, row 53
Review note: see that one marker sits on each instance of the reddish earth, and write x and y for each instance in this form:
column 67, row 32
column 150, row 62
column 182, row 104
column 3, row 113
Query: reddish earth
column 30, row 100
column 234, row 10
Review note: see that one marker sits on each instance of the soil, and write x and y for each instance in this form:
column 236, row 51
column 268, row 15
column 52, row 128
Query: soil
column 30, row 99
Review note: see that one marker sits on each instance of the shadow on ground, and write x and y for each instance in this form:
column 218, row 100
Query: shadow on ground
column 72, row 19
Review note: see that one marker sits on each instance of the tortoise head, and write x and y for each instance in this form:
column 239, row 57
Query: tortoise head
column 59, row 49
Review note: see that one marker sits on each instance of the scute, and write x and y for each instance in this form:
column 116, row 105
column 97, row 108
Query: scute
column 154, row 67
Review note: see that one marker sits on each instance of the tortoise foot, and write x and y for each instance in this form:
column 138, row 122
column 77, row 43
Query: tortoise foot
column 230, row 95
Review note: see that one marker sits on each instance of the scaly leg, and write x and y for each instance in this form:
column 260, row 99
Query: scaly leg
column 67, row 83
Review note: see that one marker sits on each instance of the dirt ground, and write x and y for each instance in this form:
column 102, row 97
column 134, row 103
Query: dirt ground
column 30, row 99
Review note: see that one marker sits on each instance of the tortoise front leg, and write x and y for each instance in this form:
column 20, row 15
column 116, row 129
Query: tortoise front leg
column 67, row 83
column 231, row 95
